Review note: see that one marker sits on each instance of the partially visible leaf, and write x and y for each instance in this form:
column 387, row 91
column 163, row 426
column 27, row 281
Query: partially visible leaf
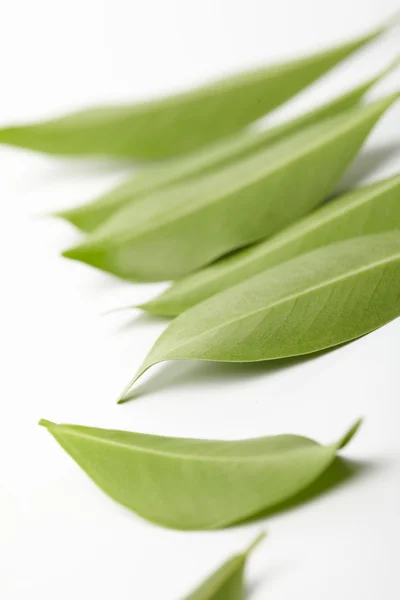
column 321, row 299
column 371, row 209
column 196, row 484
column 172, row 233
column 227, row 582
column 184, row 122
column 89, row 217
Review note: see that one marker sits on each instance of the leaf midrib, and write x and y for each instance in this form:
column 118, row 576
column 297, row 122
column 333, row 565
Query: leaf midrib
column 328, row 216
column 308, row 290
column 191, row 208
column 167, row 454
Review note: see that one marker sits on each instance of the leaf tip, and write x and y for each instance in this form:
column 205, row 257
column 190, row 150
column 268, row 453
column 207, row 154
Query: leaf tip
column 157, row 308
column 350, row 434
column 75, row 217
column 123, row 397
column 66, row 215
column 72, row 253
column 82, row 252
column 46, row 423
column 152, row 307
column 392, row 66
column 255, row 542
column 395, row 64
column 394, row 20
column 88, row 252
column 118, row 309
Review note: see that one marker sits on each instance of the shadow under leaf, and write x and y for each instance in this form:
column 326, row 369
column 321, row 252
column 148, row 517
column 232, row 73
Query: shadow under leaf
column 252, row 588
column 185, row 373
column 341, row 472
column 138, row 320
column 365, row 165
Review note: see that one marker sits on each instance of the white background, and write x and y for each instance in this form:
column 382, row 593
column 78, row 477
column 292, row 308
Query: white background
column 60, row 537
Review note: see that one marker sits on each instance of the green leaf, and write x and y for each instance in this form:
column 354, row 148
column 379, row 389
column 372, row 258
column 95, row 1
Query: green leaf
column 227, row 582
column 191, row 483
column 318, row 300
column 89, row 217
column 172, row 233
column 371, row 209
column 184, row 122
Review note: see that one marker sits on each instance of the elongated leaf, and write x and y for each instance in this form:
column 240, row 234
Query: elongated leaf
column 227, row 582
column 315, row 301
column 371, row 209
column 89, row 216
column 181, row 123
column 170, row 234
column 196, row 484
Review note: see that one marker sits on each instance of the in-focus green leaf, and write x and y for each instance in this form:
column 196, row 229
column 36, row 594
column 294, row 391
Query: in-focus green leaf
column 89, row 217
column 191, row 483
column 318, row 300
column 227, row 582
column 170, row 234
column 371, row 209
column 184, row 122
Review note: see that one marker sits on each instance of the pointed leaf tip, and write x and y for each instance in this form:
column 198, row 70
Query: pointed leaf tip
column 390, row 22
column 394, row 21
column 70, row 253
column 45, row 423
column 81, row 253
column 395, row 63
column 261, row 536
column 392, row 66
column 350, row 434
column 63, row 214
column 122, row 398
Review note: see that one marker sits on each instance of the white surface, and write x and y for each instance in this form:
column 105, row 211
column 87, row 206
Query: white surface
column 60, row 536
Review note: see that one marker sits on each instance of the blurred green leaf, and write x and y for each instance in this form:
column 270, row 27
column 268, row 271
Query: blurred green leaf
column 227, row 582
column 172, row 233
column 89, row 217
column 184, row 122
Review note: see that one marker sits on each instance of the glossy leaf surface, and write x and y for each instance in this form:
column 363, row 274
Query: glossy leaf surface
column 89, row 217
column 318, row 300
column 371, row 209
column 191, row 483
column 180, row 123
column 227, row 582
column 170, row 234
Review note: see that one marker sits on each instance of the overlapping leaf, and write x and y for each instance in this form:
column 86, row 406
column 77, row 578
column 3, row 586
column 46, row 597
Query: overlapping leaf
column 172, row 233
column 371, row 209
column 227, row 582
column 184, row 122
column 191, row 483
column 315, row 301
column 151, row 179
